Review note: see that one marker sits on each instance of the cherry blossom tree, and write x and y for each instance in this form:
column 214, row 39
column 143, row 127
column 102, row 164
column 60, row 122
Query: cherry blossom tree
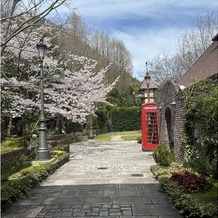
column 73, row 97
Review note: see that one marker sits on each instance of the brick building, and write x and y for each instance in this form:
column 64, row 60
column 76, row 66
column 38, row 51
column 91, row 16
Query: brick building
column 171, row 106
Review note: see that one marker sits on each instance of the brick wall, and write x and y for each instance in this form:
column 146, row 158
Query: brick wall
column 8, row 158
column 171, row 118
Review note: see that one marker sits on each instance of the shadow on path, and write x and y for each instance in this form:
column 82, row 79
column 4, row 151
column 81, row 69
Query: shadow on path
column 102, row 179
column 111, row 200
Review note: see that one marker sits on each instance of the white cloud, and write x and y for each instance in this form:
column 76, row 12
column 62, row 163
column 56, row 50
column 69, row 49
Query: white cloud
column 145, row 45
column 110, row 8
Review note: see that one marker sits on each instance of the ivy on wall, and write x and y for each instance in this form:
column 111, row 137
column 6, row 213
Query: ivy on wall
column 201, row 127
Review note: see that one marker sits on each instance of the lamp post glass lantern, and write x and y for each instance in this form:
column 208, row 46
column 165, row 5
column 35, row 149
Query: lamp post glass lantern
column 42, row 152
column 147, row 81
column 41, row 47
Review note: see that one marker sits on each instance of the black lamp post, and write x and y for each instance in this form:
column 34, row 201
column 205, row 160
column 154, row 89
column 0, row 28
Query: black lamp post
column 42, row 152
column 147, row 81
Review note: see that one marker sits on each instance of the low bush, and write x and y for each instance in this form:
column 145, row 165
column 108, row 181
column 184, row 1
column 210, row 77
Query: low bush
column 163, row 155
column 186, row 203
column 21, row 182
column 165, row 172
column 190, row 182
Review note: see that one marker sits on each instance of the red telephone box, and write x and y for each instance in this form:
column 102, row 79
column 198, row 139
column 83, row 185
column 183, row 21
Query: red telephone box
column 149, row 125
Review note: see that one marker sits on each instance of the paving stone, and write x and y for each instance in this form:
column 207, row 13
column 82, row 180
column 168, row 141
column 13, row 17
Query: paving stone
column 132, row 200
column 103, row 213
column 115, row 206
column 118, row 213
column 155, row 209
column 126, row 212
column 92, row 214
column 106, row 206
column 96, row 209
column 121, row 192
column 100, row 200
column 31, row 201
column 158, row 199
column 79, row 214
column 62, row 201
column 76, row 206
column 88, row 206
column 114, row 210
column 76, row 210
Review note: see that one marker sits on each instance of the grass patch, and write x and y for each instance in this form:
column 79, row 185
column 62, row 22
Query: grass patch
column 126, row 136
column 103, row 137
column 209, row 196
column 125, row 133
column 11, row 144
column 130, row 137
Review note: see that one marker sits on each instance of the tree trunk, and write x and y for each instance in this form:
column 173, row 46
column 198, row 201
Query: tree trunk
column 9, row 127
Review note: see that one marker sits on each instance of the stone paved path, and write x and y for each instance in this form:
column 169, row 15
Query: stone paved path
column 102, row 179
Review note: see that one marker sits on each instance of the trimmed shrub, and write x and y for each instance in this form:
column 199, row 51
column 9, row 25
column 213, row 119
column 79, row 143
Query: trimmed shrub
column 163, row 155
column 190, row 182
column 185, row 203
column 21, row 182
column 125, row 118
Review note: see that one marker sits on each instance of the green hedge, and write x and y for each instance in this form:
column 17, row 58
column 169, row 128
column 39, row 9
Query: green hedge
column 126, row 118
column 21, row 182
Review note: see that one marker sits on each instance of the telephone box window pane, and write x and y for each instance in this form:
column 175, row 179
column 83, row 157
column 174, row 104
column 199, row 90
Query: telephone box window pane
column 152, row 128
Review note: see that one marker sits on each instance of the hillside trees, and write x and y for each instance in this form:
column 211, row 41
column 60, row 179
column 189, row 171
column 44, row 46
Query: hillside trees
column 190, row 46
column 114, row 51
column 81, row 40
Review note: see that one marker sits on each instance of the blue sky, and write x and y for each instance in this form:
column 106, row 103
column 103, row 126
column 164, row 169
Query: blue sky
column 147, row 27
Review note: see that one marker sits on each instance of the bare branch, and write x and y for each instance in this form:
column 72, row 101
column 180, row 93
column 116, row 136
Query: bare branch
column 31, row 22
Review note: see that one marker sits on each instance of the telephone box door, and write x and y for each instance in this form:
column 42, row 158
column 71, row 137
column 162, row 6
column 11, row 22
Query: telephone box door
column 149, row 125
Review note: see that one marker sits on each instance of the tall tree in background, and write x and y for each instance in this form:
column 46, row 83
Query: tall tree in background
column 80, row 40
column 191, row 45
